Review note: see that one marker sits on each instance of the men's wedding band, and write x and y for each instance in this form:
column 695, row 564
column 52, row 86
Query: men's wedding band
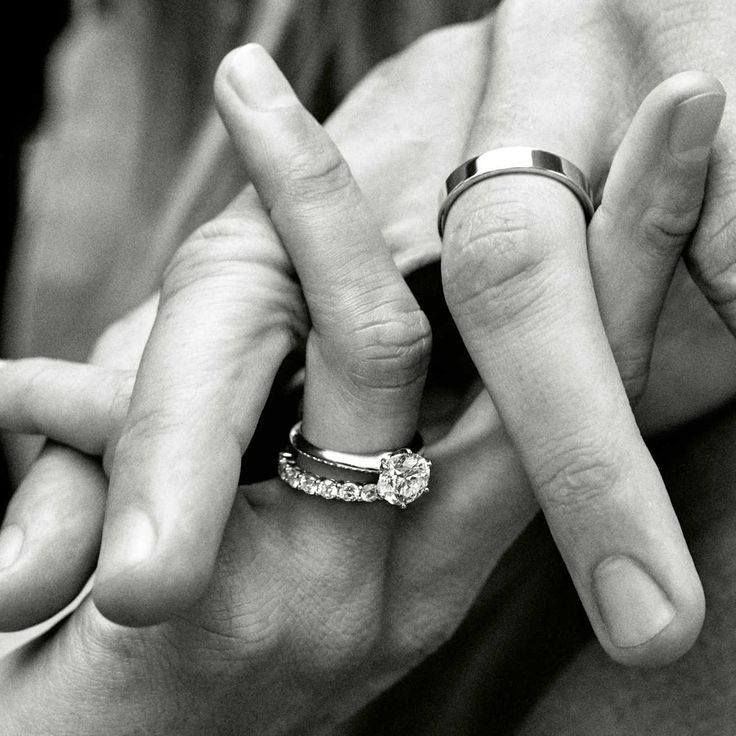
column 515, row 160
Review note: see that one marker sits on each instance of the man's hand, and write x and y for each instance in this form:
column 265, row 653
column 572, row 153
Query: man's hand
column 517, row 265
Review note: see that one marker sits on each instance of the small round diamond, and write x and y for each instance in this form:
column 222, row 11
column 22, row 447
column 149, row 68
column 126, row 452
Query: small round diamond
column 288, row 474
column 349, row 492
column 327, row 488
column 368, row 492
column 404, row 477
column 308, row 483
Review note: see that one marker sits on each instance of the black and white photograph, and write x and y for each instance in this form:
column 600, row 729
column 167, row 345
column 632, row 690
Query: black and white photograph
column 368, row 368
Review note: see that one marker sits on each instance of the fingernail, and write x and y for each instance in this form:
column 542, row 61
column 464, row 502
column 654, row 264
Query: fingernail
column 256, row 79
column 129, row 541
column 694, row 126
column 633, row 606
column 11, row 543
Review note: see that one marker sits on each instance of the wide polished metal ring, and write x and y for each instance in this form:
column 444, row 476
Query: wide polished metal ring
column 395, row 476
column 515, row 160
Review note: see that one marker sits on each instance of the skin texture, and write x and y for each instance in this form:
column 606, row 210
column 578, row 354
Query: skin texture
column 695, row 695
column 136, row 586
column 282, row 639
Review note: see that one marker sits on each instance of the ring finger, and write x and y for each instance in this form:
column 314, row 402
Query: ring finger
column 517, row 280
column 368, row 349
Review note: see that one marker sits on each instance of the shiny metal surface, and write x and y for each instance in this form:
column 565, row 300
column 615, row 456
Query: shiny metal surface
column 345, row 460
column 515, row 160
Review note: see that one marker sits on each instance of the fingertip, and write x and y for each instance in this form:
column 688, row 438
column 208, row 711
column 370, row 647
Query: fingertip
column 253, row 77
column 227, row 68
column 40, row 585
column 686, row 109
column 152, row 592
column 675, row 638
column 170, row 496
column 129, row 539
column 667, row 647
column 683, row 85
column 50, row 541
column 35, row 587
column 40, row 582
column 236, row 57
column 147, row 574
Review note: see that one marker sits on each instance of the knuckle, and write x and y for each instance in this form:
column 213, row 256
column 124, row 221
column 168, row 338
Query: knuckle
column 491, row 258
column 390, row 351
column 315, row 173
column 190, row 263
column 213, row 250
column 666, row 228
column 582, row 476
column 144, row 426
column 238, row 262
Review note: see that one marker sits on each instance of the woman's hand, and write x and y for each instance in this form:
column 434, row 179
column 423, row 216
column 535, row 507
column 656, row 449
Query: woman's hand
column 317, row 605
column 64, row 487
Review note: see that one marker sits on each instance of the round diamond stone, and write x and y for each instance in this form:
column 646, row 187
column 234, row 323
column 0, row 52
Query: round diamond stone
column 369, row 492
column 289, row 474
column 327, row 488
column 308, row 483
column 404, row 477
column 349, row 492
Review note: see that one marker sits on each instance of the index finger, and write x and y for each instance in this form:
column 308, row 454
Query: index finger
column 225, row 323
column 518, row 283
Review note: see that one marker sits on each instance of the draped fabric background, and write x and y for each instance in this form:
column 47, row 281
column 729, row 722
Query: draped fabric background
column 130, row 157
column 25, row 93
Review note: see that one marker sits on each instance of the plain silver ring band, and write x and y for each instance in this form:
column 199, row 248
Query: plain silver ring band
column 515, row 160
column 345, row 460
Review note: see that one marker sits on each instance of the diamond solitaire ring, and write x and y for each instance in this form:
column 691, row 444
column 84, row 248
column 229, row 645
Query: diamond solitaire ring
column 395, row 476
